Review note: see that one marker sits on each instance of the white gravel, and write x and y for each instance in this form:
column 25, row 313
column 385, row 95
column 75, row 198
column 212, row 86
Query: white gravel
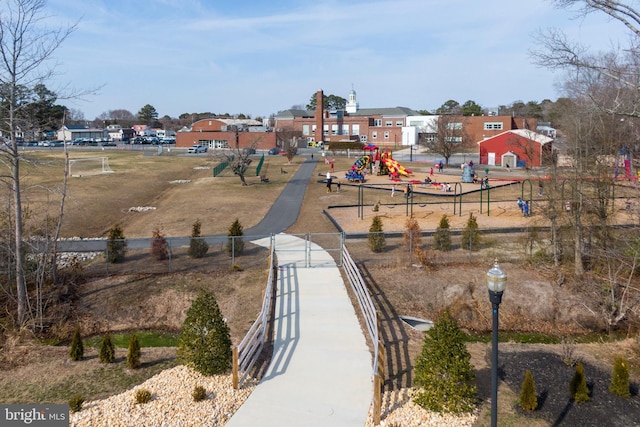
column 172, row 405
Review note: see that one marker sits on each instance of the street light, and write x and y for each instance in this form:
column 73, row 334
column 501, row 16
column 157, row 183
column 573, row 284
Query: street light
column 496, row 282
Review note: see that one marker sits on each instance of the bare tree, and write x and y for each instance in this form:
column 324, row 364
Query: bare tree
column 238, row 158
column 449, row 136
column 25, row 46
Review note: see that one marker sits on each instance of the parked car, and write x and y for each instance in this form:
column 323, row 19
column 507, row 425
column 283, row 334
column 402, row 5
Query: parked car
column 249, row 150
column 273, row 151
column 197, row 149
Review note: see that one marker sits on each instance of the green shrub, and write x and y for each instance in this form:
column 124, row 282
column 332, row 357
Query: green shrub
column 198, row 247
column 199, row 393
column 235, row 243
column 442, row 235
column 75, row 403
column 578, row 387
column 376, row 236
column 444, row 378
column 107, row 350
column 528, row 397
column 470, row 238
column 143, row 396
column 133, row 353
column 620, row 378
column 412, row 234
column 116, row 245
column 205, row 340
column 159, row 246
column 76, row 352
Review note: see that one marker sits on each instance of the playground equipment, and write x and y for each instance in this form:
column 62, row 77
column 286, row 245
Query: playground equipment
column 624, row 159
column 356, row 173
column 467, row 174
column 393, row 167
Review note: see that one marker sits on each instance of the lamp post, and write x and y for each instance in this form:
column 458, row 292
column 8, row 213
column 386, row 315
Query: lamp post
column 496, row 282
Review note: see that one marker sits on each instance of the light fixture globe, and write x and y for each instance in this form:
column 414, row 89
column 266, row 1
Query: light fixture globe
column 496, row 279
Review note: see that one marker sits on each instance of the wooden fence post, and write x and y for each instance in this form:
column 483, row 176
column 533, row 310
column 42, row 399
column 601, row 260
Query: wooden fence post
column 235, row 376
column 377, row 398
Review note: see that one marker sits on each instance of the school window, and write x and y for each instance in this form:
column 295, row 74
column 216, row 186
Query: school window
column 363, row 138
column 218, row 143
column 454, row 126
column 334, row 129
column 453, row 139
column 377, row 122
column 493, row 126
column 325, row 130
column 388, row 123
column 345, row 130
column 305, row 129
column 355, row 129
column 386, row 135
column 374, row 135
column 399, row 123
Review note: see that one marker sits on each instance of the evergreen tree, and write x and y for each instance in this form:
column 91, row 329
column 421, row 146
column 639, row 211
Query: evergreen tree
column 205, row 340
column 578, row 387
column 442, row 235
column 470, row 238
column 116, row 245
column 76, row 351
column 376, row 236
column 528, row 397
column 444, row 378
column 107, row 350
column 198, row 247
column 235, row 243
column 412, row 234
column 133, row 353
column 620, row 378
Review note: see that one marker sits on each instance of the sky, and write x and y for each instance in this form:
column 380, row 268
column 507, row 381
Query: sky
column 259, row 57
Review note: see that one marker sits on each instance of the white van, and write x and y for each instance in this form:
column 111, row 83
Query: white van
column 197, row 149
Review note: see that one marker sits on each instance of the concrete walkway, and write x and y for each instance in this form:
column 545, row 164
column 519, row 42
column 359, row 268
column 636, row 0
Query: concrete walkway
column 320, row 372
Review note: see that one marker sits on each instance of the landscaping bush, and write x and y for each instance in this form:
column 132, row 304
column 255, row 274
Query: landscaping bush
column 412, row 234
column 442, row 235
column 133, row 353
column 159, row 246
column 528, row 397
column 116, row 245
column 143, row 396
column 235, row 243
column 205, row 340
column 76, row 351
column 578, row 387
column 75, row 403
column 198, row 247
column 107, row 351
column 470, row 238
column 199, row 393
column 620, row 378
column 444, row 378
column 376, row 237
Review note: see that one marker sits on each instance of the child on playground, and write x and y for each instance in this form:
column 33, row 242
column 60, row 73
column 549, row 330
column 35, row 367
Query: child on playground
column 525, row 209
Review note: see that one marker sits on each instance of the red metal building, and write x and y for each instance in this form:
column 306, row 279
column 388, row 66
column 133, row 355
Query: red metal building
column 518, row 147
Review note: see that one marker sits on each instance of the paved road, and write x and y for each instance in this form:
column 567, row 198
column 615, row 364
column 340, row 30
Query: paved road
column 282, row 215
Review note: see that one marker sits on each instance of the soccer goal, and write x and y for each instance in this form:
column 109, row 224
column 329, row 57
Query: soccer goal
column 89, row 166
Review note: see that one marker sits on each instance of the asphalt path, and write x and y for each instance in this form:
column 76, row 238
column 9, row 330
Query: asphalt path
column 282, row 215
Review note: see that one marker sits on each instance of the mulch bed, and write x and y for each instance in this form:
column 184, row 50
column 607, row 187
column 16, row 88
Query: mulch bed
column 552, row 378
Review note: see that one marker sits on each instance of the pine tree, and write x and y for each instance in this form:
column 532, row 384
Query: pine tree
column 107, row 351
column 470, row 234
column 116, row 245
column 133, row 353
column 620, row 378
column 528, row 397
column 198, row 247
column 578, row 387
column 376, row 236
column 442, row 235
column 235, row 244
column 205, row 340
column 412, row 234
column 444, row 378
column 76, row 351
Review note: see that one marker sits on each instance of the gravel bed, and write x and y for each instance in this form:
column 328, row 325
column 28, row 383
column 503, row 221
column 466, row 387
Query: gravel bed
column 171, row 404
column 399, row 410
